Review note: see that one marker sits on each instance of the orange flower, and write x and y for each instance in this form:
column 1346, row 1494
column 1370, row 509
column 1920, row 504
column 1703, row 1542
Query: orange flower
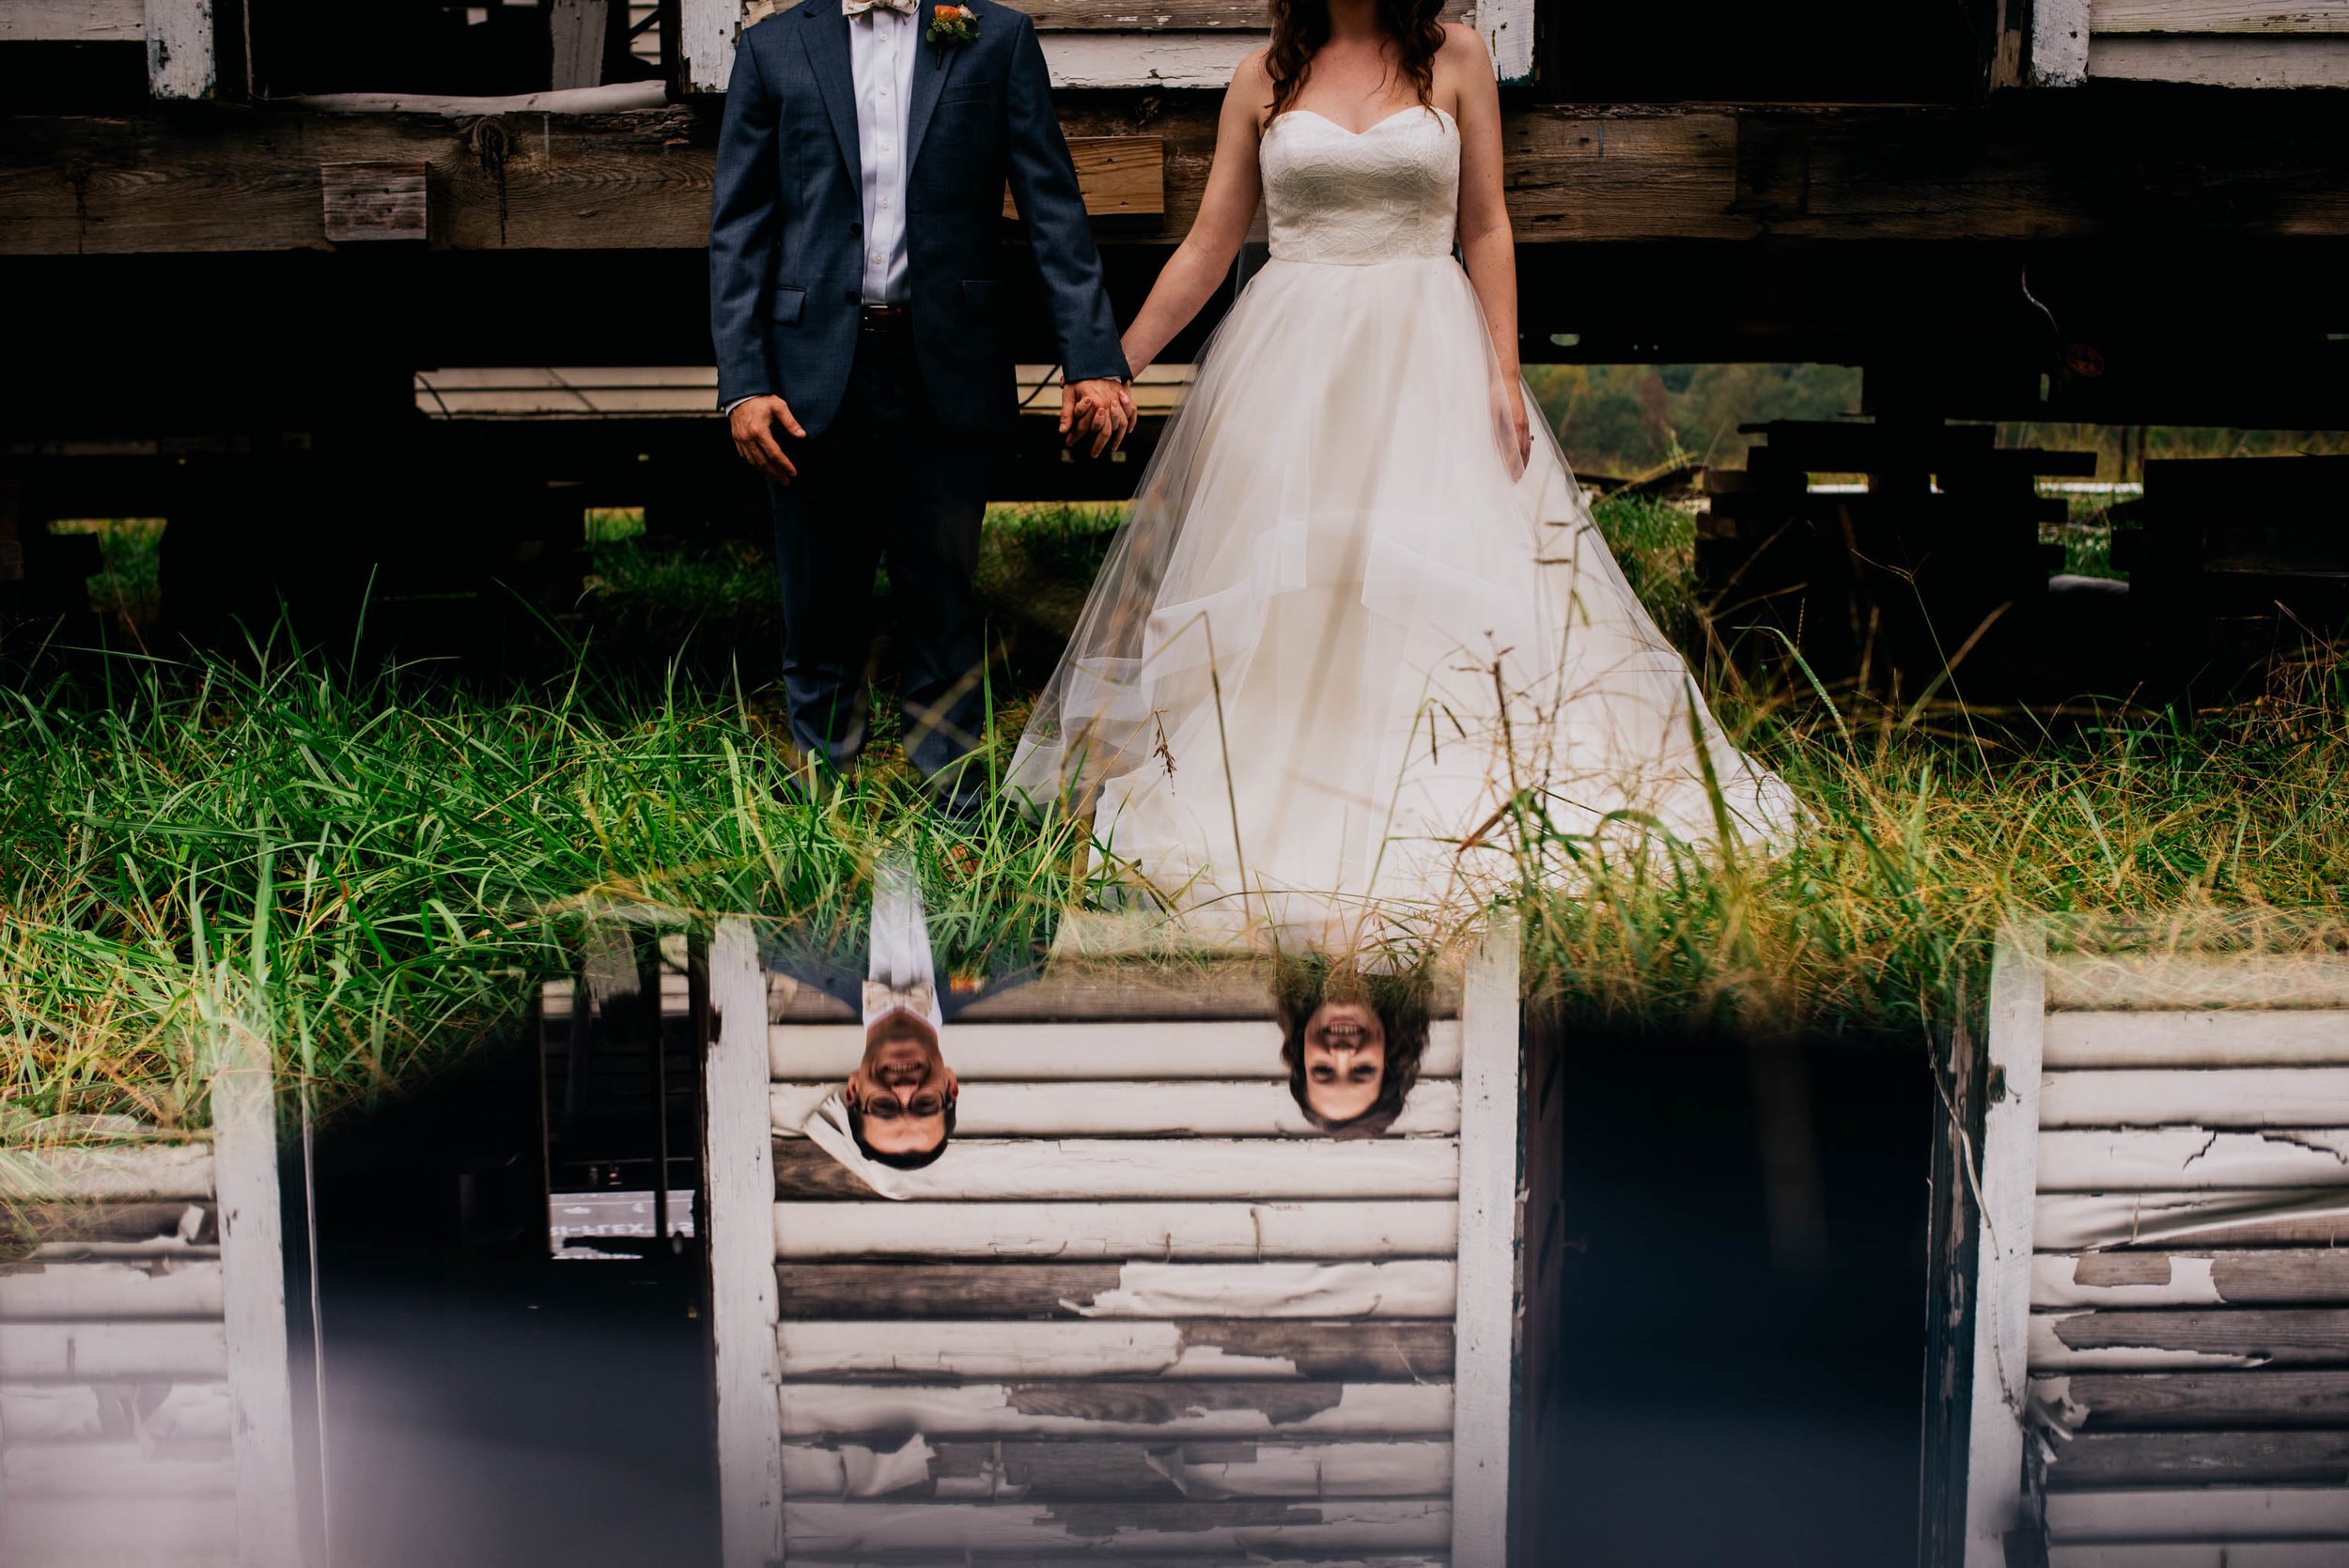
column 948, row 13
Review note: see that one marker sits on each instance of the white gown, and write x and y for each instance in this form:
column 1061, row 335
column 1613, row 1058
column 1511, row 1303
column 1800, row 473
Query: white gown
column 1339, row 632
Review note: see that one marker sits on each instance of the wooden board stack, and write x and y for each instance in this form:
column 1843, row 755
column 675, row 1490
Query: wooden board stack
column 145, row 1407
column 1135, row 1309
column 2161, row 1364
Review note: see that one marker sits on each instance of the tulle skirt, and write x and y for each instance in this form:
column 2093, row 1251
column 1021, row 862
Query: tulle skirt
column 1344, row 646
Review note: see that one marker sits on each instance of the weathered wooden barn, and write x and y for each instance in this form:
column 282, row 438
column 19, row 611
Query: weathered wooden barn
column 237, row 232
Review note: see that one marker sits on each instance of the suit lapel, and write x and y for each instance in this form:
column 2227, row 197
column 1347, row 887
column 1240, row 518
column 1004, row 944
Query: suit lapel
column 826, row 31
column 932, row 63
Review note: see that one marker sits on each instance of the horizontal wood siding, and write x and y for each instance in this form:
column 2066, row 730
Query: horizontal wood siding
column 2232, row 43
column 73, row 21
column 2189, row 1327
column 1137, row 1308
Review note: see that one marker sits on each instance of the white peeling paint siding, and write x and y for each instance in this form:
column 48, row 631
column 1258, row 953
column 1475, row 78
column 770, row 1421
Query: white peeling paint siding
column 2171, row 1192
column 180, row 51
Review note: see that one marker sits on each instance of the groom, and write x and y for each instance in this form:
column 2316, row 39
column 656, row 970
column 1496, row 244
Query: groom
column 860, row 320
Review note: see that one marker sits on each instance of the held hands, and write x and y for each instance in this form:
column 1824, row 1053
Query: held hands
column 1102, row 408
column 753, row 423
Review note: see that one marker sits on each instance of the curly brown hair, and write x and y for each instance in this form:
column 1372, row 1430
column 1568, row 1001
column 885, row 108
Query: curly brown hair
column 1300, row 27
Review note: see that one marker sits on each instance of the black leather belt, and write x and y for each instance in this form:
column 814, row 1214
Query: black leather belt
column 881, row 319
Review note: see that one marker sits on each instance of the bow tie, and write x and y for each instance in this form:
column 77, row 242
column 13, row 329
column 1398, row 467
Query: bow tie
column 854, row 8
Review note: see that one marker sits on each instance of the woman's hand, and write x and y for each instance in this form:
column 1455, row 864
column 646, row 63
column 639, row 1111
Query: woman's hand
column 1512, row 427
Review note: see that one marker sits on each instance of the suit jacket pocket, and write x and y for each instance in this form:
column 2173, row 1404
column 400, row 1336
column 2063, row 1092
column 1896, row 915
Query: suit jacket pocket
column 786, row 303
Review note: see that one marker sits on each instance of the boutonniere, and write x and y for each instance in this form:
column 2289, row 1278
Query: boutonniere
column 954, row 24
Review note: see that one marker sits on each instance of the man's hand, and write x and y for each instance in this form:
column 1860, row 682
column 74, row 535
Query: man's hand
column 1100, row 407
column 754, row 425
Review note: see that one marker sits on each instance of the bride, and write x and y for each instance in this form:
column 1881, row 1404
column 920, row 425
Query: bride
column 1359, row 626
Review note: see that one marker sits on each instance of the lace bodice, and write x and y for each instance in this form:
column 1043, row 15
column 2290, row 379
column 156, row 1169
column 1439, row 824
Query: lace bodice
column 1387, row 193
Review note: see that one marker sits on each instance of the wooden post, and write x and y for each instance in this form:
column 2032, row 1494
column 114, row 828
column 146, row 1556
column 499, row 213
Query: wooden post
column 737, row 1173
column 706, row 30
column 179, row 49
column 2058, row 43
column 1995, row 1499
column 1508, row 29
column 252, row 1276
column 576, row 29
column 1485, row 1375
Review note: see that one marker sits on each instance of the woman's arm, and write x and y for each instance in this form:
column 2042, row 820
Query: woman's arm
column 1485, row 242
column 1202, row 262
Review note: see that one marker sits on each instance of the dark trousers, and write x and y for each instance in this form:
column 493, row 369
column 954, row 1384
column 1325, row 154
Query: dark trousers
column 886, row 478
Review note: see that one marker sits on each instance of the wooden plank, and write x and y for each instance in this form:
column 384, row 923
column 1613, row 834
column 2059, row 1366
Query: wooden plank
column 831, row 1528
column 2186, row 1400
column 1416, row 1288
column 2255, row 1554
column 2190, row 1158
column 179, row 49
column 1120, row 177
column 253, row 1281
column 374, row 199
column 1163, row 1408
column 112, row 1288
column 993, row 1350
column 2198, row 1458
column 705, row 32
column 2166, row 982
column 2281, row 1276
column 1075, row 1232
column 121, row 1468
column 2128, row 1339
column 1491, row 1159
column 2219, row 16
column 2009, row 1180
column 743, row 1227
column 1508, row 28
column 576, row 30
column 75, row 1412
column 73, row 21
column 2059, row 42
column 1192, row 986
column 35, row 1225
column 139, row 1170
column 2199, row 1514
column 166, row 1352
column 2243, row 1038
column 2317, row 61
column 2209, row 1097
column 184, row 1533
column 1032, row 1471
column 2254, row 1217
column 1101, row 1169
column 1161, row 1108
column 1111, row 1051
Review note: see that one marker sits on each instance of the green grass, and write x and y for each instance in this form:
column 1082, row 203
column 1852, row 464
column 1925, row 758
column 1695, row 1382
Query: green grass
column 374, row 872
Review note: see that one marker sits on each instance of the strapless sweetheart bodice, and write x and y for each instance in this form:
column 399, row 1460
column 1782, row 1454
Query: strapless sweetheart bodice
column 1354, row 198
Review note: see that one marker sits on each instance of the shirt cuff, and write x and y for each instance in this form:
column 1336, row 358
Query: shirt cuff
column 729, row 408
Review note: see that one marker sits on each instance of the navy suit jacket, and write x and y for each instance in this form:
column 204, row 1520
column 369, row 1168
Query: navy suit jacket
column 786, row 219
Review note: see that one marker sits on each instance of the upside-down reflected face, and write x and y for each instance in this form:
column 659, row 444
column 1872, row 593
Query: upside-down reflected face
column 903, row 1086
column 1346, row 1059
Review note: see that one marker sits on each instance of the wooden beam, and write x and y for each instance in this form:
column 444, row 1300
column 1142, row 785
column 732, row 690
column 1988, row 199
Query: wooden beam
column 2169, row 1039
column 179, row 49
column 2059, row 42
column 1121, row 176
column 2291, row 17
column 1075, row 1232
column 1995, row 1504
column 1161, row 1408
column 253, row 1279
column 832, row 1530
column 739, row 1183
column 2226, row 61
column 374, row 199
column 2172, row 1514
column 1418, row 1287
column 1104, row 1169
column 89, row 1176
column 1000, row 1470
column 1483, row 1431
column 78, row 1412
column 187, row 1350
column 2206, row 1400
column 2200, row 1459
column 2130, row 1340
column 2161, row 980
column 996, row 1350
column 111, row 1288
column 73, row 21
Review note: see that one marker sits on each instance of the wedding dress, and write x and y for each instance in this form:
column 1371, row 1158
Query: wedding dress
column 1342, row 629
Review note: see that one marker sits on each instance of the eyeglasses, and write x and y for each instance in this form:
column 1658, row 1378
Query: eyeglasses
column 886, row 1107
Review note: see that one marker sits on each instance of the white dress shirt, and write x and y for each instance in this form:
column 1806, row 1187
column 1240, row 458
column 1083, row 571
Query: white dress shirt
column 880, row 65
